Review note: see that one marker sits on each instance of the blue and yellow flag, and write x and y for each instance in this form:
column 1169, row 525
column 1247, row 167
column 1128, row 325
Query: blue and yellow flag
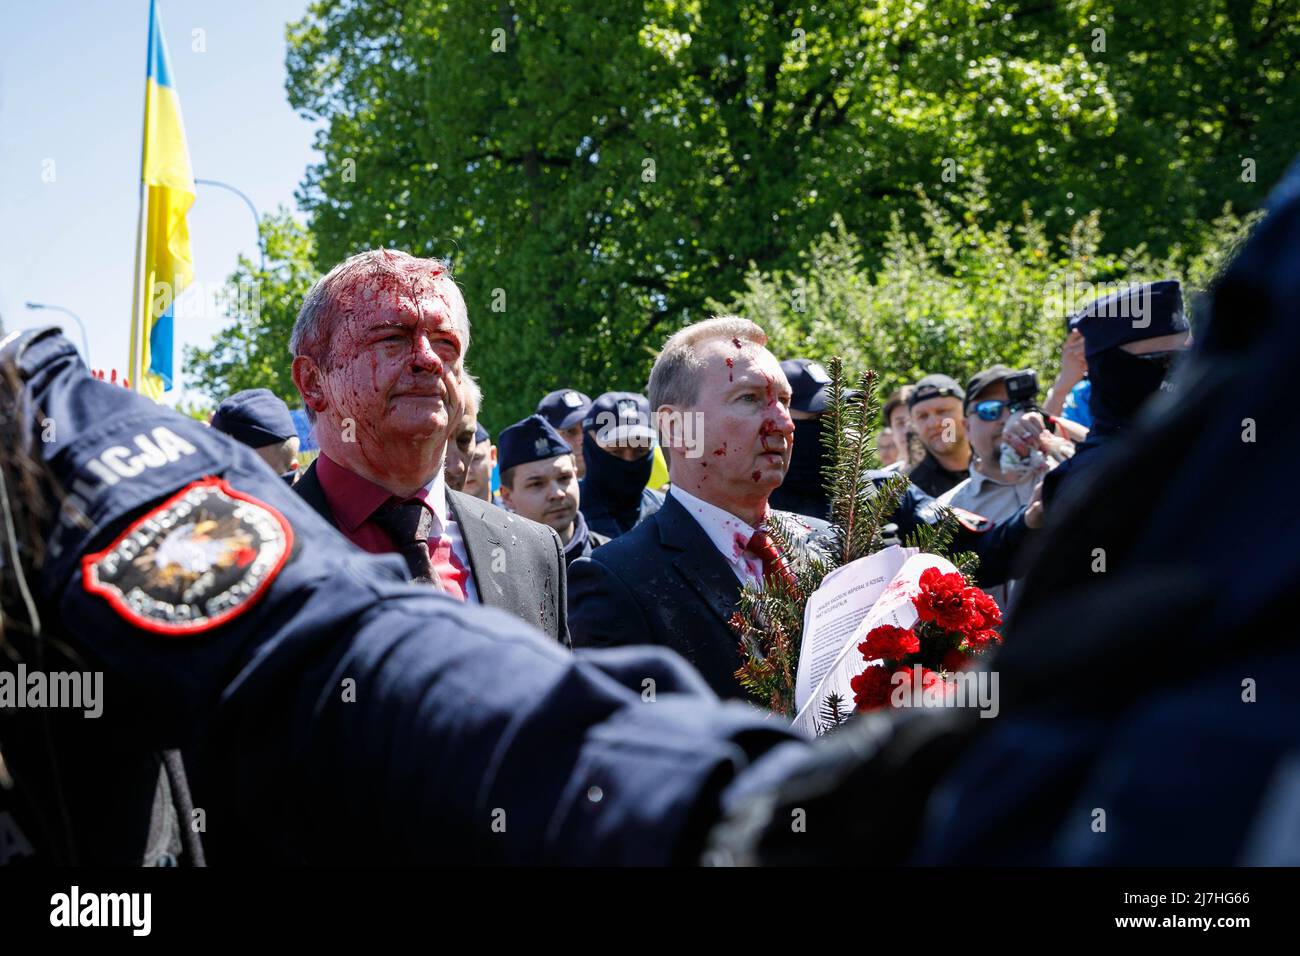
column 165, row 263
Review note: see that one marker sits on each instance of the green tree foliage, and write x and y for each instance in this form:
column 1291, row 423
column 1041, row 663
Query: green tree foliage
column 253, row 351
column 597, row 172
column 954, row 296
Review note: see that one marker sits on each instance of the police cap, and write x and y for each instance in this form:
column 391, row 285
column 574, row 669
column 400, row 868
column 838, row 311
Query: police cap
column 564, row 408
column 529, row 440
column 1135, row 312
column 256, row 417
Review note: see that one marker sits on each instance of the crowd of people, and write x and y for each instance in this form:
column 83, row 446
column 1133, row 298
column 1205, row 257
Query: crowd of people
column 637, row 518
column 418, row 652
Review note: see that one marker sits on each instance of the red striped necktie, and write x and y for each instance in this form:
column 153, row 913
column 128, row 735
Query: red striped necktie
column 762, row 547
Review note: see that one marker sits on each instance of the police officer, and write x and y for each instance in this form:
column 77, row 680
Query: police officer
column 329, row 711
column 539, row 481
column 565, row 409
column 260, row 419
column 617, row 440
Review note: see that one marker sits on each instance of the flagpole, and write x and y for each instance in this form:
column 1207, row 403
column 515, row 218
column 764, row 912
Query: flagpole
column 133, row 369
column 133, row 365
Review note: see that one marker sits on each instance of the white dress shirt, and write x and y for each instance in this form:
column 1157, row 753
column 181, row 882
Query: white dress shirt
column 728, row 533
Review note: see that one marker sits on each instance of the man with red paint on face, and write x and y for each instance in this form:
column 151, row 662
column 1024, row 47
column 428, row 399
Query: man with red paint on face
column 722, row 409
column 379, row 351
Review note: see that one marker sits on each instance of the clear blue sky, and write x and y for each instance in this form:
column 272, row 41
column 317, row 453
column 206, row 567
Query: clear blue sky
column 72, row 91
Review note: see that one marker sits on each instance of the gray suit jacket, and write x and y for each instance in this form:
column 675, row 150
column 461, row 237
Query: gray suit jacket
column 518, row 565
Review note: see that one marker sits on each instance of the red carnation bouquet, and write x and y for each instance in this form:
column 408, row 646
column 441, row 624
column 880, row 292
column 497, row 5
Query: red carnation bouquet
column 956, row 622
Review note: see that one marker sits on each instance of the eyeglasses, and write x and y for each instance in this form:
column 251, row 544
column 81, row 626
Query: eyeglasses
column 990, row 410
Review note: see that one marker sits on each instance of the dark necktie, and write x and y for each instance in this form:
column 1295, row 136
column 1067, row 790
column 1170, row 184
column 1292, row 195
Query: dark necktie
column 408, row 524
column 762, row 547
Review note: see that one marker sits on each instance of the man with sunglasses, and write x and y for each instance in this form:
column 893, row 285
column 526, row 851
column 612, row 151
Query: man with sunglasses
column 1001, row 480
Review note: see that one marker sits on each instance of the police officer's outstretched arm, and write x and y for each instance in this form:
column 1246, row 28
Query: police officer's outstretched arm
column 329, row 711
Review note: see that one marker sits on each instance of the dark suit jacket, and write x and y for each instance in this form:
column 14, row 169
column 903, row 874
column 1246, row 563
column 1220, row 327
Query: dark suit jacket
column 664, row 582
column 518, row 565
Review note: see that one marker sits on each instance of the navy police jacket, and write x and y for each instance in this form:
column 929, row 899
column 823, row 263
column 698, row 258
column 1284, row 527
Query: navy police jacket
column 329, row 711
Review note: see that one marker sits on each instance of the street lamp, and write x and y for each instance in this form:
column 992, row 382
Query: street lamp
column 85, row 342
column 257, row 220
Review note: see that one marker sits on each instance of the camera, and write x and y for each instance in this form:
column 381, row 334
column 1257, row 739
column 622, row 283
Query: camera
column 1022, row 390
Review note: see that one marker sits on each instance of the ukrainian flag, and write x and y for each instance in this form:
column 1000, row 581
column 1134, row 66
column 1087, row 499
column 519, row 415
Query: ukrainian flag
column 164, row 261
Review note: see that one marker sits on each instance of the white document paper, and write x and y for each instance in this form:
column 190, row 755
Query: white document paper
column 893, row 606
column 836, row 608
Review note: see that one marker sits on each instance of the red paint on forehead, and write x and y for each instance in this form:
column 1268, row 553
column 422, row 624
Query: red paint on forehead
column 736, row 343
column 731, row 365
column 400, row 285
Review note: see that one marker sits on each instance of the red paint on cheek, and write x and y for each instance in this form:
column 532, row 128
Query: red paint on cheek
column 721, row 450
column 756, row 475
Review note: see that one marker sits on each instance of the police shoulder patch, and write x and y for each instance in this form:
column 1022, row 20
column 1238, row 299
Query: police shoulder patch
column 970, row 520
column 192, row 563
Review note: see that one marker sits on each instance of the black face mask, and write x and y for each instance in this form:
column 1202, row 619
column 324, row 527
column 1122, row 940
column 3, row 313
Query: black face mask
column 617, row 482
column 1122, row 383
column 805, row 474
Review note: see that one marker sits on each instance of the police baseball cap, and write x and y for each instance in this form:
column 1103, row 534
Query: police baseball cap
column 622, row 419
column 809, row 384
column 529, row 440
column 564, row 408
column 1135, row 312
column 935, row 386
column 256, row 417
column 982, row 380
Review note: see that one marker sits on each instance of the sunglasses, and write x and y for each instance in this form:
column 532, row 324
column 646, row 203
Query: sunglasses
column 990, row 410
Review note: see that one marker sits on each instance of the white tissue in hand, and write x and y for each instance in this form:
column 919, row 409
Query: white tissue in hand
column 1017, row 468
